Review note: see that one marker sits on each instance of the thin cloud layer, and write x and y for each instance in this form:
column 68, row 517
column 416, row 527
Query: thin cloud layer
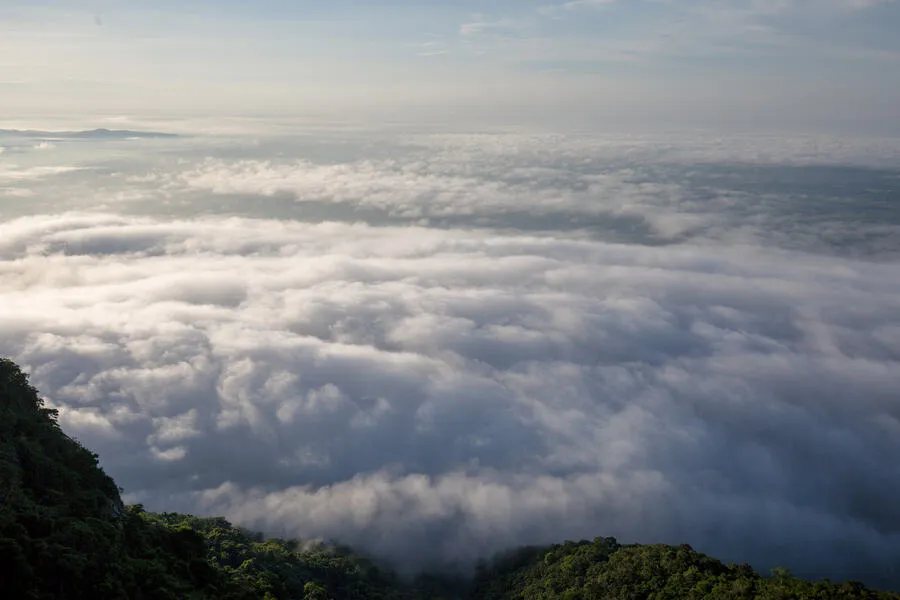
column 435, row 392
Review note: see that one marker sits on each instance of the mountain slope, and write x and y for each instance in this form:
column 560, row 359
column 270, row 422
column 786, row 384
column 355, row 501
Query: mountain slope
column 605, row 570
column 64, row 531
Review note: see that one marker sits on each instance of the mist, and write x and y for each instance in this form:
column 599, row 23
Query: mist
column 436, row 346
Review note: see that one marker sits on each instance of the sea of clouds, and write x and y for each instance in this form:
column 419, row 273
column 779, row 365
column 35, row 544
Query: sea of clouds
column 435, row 347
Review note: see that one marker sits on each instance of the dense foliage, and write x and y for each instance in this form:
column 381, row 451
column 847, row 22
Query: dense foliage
column 64, row 533
column 605, row 570
column 276, row 568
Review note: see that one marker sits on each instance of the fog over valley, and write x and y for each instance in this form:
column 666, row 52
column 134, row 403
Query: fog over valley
column 434, row 346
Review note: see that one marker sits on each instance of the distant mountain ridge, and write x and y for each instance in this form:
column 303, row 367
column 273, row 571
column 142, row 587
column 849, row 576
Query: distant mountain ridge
column 88, row 134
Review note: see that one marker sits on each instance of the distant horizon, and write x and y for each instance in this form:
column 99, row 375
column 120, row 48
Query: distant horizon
column 822, row 65
column 200, row 123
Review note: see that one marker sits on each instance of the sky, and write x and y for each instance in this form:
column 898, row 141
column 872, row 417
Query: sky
column 739, row 64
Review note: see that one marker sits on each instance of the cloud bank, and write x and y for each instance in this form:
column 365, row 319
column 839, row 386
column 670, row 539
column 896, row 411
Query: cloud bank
column 433, row 392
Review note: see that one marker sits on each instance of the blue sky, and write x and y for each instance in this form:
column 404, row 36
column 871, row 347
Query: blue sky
column 773, row 62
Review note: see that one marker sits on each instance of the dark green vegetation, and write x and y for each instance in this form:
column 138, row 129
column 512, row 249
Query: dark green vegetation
column 64, row 533
column 604, row 569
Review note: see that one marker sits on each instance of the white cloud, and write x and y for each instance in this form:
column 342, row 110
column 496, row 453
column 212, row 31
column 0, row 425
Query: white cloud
column 870, row 3
column 587, row 4
column 14, row 173
column 390, row 387
column 450, row 344
column 16, row 192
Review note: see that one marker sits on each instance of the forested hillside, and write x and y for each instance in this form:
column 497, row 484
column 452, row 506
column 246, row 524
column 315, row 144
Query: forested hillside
column 65, row 533
column 604, row 569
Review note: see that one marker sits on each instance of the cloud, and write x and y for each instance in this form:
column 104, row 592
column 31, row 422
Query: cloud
column 14, row 173
column 418, row 373
column 574, row 4
column 483, row 25
column 16, row 192
column 870, row 3
column 789, row 31
column 472, row 28
column 598, row 187
column 438, row 395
